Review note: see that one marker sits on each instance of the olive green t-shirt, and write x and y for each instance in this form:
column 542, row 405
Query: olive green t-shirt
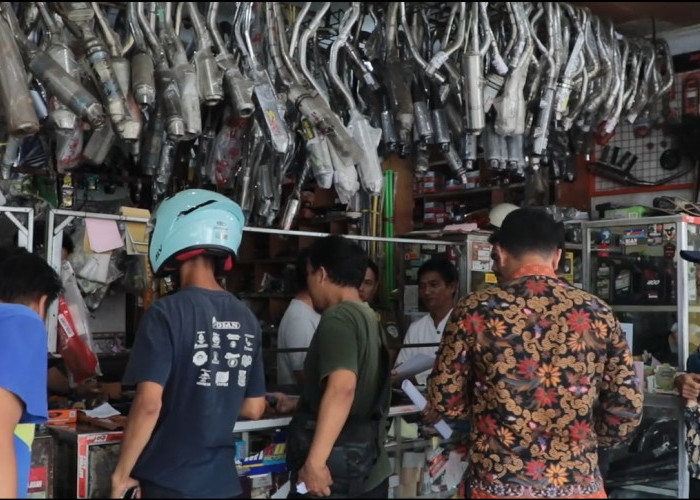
column 347, row 338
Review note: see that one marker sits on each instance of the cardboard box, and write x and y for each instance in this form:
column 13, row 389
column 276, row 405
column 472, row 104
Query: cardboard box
column 626, row 213
column 62, row 417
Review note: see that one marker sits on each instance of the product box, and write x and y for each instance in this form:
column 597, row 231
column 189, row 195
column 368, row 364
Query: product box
column 62, row 417
column 626, row 213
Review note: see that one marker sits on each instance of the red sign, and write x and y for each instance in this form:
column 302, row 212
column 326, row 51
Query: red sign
column 37, row 479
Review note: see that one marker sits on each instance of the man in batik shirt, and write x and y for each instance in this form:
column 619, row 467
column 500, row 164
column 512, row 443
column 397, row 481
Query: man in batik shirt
column 524, row 361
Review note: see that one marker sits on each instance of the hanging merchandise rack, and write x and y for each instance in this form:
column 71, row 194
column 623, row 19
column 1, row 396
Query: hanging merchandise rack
column 249, row 96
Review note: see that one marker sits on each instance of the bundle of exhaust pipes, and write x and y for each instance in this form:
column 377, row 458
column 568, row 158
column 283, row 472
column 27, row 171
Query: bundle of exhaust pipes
column 245, row 97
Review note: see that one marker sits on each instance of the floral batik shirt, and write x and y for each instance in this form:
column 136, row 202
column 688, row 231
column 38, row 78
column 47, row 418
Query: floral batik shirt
column 524, row 362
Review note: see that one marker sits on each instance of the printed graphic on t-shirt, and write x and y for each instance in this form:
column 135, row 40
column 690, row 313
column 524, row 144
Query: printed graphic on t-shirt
column 225, row 325
column 248, row 342
column 204, row 377
column 232, row 359
column 246, row 360
column 233, row 347
column 221, row 379
column 233, row 340
column 201, row 340
column 200, row 357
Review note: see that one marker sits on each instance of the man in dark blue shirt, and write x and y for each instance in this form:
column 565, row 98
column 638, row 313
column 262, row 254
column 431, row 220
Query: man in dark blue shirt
column 196, row 360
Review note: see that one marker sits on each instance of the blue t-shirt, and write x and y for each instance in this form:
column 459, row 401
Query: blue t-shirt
column 23, row 368
column 205, row 348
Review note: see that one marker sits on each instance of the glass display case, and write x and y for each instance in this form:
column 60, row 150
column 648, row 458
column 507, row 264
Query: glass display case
column 478, row 261
column 634, row 265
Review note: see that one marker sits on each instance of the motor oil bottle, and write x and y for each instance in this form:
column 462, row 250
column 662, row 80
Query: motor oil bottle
column 603, row 279
column 624, row 278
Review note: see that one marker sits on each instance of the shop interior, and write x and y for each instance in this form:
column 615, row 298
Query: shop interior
column 406, row 127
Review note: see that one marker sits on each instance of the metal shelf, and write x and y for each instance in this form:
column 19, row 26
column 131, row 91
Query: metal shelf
column 645, row 308
column 446, row 195
column 658, row 400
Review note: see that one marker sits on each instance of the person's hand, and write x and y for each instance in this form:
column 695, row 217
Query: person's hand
column 429, row 415
column 121, row 485
column 316, row 478
column 280, row 403
column 688, row 385
column 91, row 388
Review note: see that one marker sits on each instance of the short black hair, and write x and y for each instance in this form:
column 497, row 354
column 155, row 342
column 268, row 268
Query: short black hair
column 441, row 265
column 25, row 277
column 300, row 269
column 530, row 230
column 344, row 260
column 374, row 267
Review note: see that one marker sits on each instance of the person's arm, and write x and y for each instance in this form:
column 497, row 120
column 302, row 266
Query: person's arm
column 620, row 396
column 253, row 408
column 143, row 417
column 58, row 382
column 446, row 383
column 9, row 418
column 333, row 412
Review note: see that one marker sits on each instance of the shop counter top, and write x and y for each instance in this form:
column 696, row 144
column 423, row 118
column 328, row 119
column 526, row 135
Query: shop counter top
column 273, row 423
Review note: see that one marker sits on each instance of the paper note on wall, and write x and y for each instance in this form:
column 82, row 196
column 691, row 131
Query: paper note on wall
column 103, row 234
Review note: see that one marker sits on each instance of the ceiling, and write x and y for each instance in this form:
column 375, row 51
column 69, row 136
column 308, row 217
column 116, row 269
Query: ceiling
column 635, row 18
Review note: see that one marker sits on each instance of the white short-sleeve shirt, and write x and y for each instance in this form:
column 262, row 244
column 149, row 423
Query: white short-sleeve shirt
column 296, row 330
column 422, row 331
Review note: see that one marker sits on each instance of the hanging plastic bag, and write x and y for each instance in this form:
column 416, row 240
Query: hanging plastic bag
column 74, row 337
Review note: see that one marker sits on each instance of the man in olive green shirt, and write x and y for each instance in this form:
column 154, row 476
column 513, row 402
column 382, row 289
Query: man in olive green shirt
column 343, row 367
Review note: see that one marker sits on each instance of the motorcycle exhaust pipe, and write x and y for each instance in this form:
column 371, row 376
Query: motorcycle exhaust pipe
column 99, row 144
column 61, row 85
column 143, row 85
column 389, row 134
column 167, row 91
column 152, row 143
column 317, row 155
column 238, row 88
column 441, row 131
column 184, row 73
column 210, row 78
column 165, row 167
column 365, row 75
column 20, row 115
column 472, row 69
column 10, row 156
column 421, row 117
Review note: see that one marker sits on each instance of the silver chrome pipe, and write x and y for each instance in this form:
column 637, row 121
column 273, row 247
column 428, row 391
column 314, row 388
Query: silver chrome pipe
column 167, row 90
column 209, row 77
column 184, row 72
column 143, row 84
column 237, row 87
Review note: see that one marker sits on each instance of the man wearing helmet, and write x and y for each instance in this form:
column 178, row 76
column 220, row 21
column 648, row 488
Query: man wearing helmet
column 196, row 360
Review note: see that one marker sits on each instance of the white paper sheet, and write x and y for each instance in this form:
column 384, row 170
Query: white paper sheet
column 105, row 410
column 418, row 400
column 415, row 365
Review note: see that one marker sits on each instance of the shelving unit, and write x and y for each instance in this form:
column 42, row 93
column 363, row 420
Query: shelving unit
column 652, row 273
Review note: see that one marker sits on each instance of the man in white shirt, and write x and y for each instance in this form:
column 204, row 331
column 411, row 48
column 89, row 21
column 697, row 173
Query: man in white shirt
column 437, row 287
column 296, row 328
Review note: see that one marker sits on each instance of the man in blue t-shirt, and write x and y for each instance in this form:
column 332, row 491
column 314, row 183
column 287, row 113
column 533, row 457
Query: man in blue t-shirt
column 196, row 360
column 28, row 285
